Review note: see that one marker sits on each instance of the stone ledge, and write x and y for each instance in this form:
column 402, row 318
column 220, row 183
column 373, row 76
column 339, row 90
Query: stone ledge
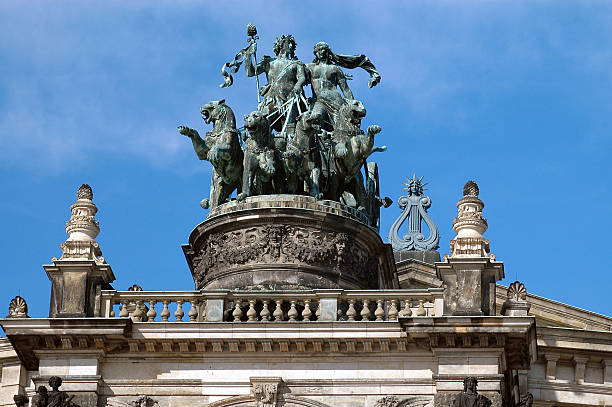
column 289, row 201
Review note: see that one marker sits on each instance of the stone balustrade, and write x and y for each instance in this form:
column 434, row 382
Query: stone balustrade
column 272, row 306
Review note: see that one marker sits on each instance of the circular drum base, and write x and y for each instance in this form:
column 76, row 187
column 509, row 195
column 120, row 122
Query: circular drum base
column 287, row 242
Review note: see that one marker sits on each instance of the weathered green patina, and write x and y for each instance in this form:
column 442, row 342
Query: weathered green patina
column 292, row 144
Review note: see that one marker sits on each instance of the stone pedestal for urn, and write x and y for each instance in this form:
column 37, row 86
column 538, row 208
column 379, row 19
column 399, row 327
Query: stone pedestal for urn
column 288, row 242
column 80, row 274
column 470, row 273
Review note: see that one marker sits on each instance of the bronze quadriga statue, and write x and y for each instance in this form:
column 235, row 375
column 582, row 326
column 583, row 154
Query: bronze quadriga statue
column 298, row 179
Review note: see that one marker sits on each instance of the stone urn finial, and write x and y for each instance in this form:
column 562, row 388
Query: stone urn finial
column 471, row 189
column 83, row 225
column 470, row 225
column 85, row 192
column 82, row 228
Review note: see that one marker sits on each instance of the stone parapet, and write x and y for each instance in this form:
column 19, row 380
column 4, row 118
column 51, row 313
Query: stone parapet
column 272, row 306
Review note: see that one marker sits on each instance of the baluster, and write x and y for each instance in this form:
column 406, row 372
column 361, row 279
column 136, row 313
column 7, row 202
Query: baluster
column 340, row 313
column 307, row 313
column 237, row 311
column 380, row 312
column 193, row 312
column 406, row 312
column 137, row 315
column 124, row 310
column 278, row 312
column 179, row 313
column 318, row 311
column 393, row 311
column 420, row 312
column 350, row 312
column 265, row 311
column 293, row 312
column 112, row 309
column 365, row 311
column 251, row 313
column 151, row 313
column 165, row 314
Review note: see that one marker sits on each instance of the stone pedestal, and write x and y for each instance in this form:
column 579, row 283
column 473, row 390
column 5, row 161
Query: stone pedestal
column 470, row 285
column 76, row 287
column 288, row 242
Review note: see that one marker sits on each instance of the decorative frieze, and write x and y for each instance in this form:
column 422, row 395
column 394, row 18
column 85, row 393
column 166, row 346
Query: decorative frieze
column 279, row 244
column 300, row 245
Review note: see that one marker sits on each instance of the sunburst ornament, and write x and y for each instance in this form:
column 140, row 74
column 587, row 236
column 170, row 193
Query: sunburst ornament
column 414, row 186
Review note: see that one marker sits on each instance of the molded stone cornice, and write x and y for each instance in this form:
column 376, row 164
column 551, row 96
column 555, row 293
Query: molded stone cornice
column 515, row 335
column 62, row 334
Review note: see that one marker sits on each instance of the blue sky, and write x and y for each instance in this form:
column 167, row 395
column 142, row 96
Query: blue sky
column 515, row 95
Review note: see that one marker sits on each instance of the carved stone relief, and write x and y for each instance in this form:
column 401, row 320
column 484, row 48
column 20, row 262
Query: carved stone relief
column 283, row 244
column 265, row 390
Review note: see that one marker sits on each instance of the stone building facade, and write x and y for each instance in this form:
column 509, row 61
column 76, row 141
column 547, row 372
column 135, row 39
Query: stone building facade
column 299, row 303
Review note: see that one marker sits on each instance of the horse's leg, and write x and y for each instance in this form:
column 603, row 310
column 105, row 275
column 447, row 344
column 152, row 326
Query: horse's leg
column 358, row 190
column 315, row 177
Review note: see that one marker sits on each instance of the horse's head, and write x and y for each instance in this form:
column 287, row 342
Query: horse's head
column 257, row 124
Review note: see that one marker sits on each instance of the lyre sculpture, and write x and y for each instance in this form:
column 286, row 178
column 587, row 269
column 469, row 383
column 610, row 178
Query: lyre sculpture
column 414, row 207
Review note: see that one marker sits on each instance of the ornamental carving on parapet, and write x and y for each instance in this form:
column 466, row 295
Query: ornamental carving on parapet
column 18, row 308
column 516, row 304
column 336, row 251
column 517, row 292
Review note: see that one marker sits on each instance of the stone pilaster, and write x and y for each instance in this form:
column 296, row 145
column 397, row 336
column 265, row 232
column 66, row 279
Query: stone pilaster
column 551, row 365
column 79, row 275
column 606, row 364
column 470, row 272
column 13, row 379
